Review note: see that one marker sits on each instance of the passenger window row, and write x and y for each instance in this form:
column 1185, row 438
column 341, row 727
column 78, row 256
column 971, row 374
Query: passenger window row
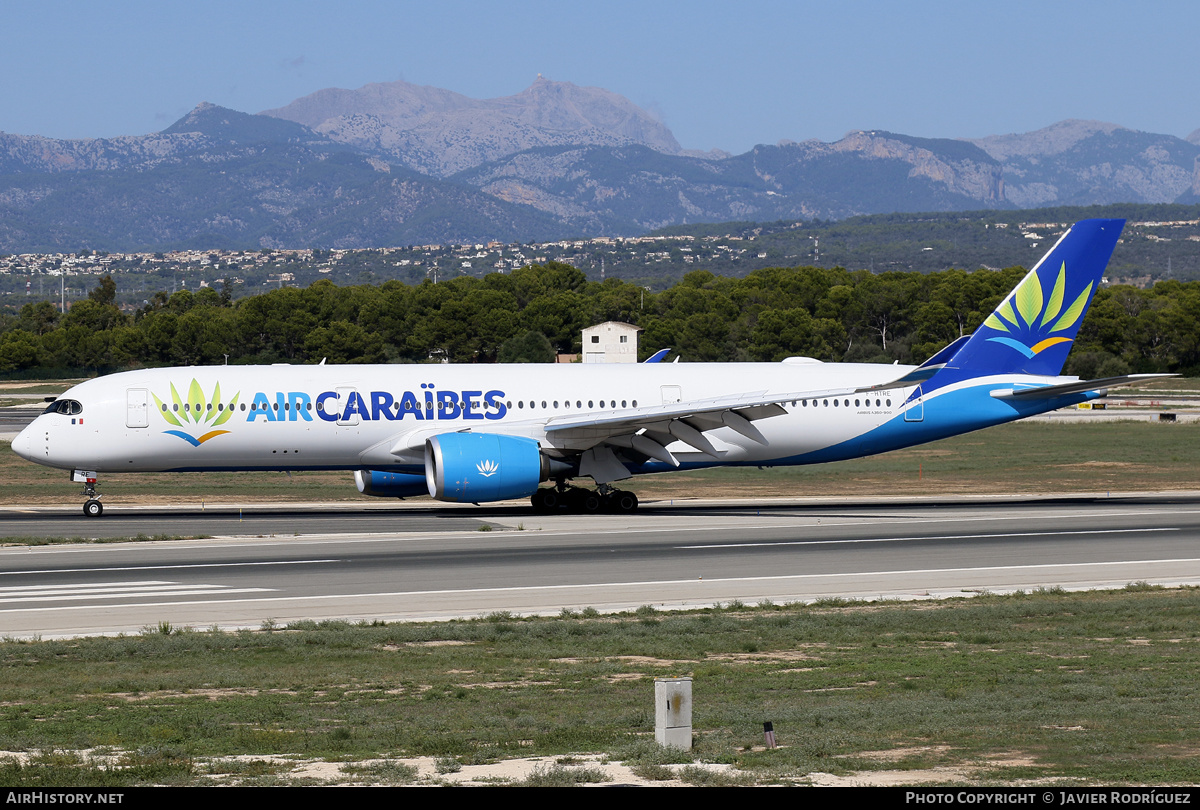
column 845, row 403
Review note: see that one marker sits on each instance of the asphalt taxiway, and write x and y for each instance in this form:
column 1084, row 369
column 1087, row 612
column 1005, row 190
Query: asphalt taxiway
column 285, row 563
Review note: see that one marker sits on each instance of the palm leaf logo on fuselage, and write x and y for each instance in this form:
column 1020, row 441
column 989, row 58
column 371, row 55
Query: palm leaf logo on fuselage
column 1037, row 318
column 196, row 410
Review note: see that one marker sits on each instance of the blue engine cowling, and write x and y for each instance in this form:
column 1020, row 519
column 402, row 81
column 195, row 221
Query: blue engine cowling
column 478, row 467
column 389, row 485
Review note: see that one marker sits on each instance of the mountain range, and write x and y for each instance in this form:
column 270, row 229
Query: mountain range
column 398, row 163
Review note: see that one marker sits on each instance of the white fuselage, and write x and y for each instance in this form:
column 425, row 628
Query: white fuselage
column 287, row 417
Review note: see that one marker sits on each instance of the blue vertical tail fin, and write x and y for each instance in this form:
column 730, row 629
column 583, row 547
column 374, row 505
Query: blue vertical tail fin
column 1033, row 329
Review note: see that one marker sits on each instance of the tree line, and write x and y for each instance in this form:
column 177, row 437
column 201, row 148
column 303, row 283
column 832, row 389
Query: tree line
column 533, row 313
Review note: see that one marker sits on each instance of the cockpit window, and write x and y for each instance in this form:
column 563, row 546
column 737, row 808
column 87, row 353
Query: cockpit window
column 66, row 406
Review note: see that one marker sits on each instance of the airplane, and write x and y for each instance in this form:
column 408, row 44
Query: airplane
column 485, row 433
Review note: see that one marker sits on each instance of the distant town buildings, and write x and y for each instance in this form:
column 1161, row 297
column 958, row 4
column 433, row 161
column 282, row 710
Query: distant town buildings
column 242, row 272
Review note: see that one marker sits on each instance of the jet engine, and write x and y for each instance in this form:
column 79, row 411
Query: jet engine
column 389, row 485
column 478, row 467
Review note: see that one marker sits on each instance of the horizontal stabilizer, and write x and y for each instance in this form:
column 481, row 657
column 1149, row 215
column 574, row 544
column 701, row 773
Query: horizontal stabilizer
column 943, row 357
column 918, row 375
column 1050, row 391
column 924, row 371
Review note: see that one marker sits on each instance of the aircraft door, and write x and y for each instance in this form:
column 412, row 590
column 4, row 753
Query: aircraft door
column 671, row 394
column 916, row 408
column 137, row 411
column 349, row 405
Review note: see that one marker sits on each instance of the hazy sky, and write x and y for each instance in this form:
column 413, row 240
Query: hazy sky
column 726, row 75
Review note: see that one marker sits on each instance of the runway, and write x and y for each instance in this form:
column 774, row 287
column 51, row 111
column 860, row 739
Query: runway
column 15, row 418
column 282, row 564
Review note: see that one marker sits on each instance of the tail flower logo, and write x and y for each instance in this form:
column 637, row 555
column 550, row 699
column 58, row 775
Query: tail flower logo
column 487, row 468
column 198, row 411
column 1037, row 318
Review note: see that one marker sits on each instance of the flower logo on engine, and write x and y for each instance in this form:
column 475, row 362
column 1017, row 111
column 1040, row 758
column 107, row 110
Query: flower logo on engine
column 487, row 468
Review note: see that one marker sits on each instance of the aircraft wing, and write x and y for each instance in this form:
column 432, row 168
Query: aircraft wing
column 648, row 430
column 640, row 432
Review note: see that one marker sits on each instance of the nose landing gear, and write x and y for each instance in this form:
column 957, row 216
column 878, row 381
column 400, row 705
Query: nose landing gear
column 92, row 507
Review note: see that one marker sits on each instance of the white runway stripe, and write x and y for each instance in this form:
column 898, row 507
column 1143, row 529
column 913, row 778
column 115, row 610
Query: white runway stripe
column 114, row 590
column 7, row 589
column 1123, row 565
column 162, row 567
column 918, row 537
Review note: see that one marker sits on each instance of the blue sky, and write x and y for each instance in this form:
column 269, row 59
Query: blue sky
column 726, row 75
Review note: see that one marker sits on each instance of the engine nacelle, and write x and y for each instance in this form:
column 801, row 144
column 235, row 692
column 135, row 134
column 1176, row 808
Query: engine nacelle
column 478, row 467
column 389, row 485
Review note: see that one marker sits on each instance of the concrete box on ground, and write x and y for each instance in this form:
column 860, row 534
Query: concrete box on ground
column 673, row 712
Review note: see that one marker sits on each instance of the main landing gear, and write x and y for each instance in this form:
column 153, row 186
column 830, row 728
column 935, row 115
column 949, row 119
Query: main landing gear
column 92, row 507
column 579, row 500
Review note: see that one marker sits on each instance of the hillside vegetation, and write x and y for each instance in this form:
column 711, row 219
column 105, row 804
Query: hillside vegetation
column 772, row 313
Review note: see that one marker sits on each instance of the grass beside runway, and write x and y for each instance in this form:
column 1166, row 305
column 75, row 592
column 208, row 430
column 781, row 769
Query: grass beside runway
column 28, row 540
column 1024, row 457
column 22, row 482
column 1070, row 689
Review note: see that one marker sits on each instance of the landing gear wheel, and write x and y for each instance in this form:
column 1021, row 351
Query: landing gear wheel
column 580, row 500
column 624, row 502
column 568, row 499
column 545, row 500
column 93, row 507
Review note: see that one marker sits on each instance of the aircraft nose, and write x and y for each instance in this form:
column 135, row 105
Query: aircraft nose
column 22, row 445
